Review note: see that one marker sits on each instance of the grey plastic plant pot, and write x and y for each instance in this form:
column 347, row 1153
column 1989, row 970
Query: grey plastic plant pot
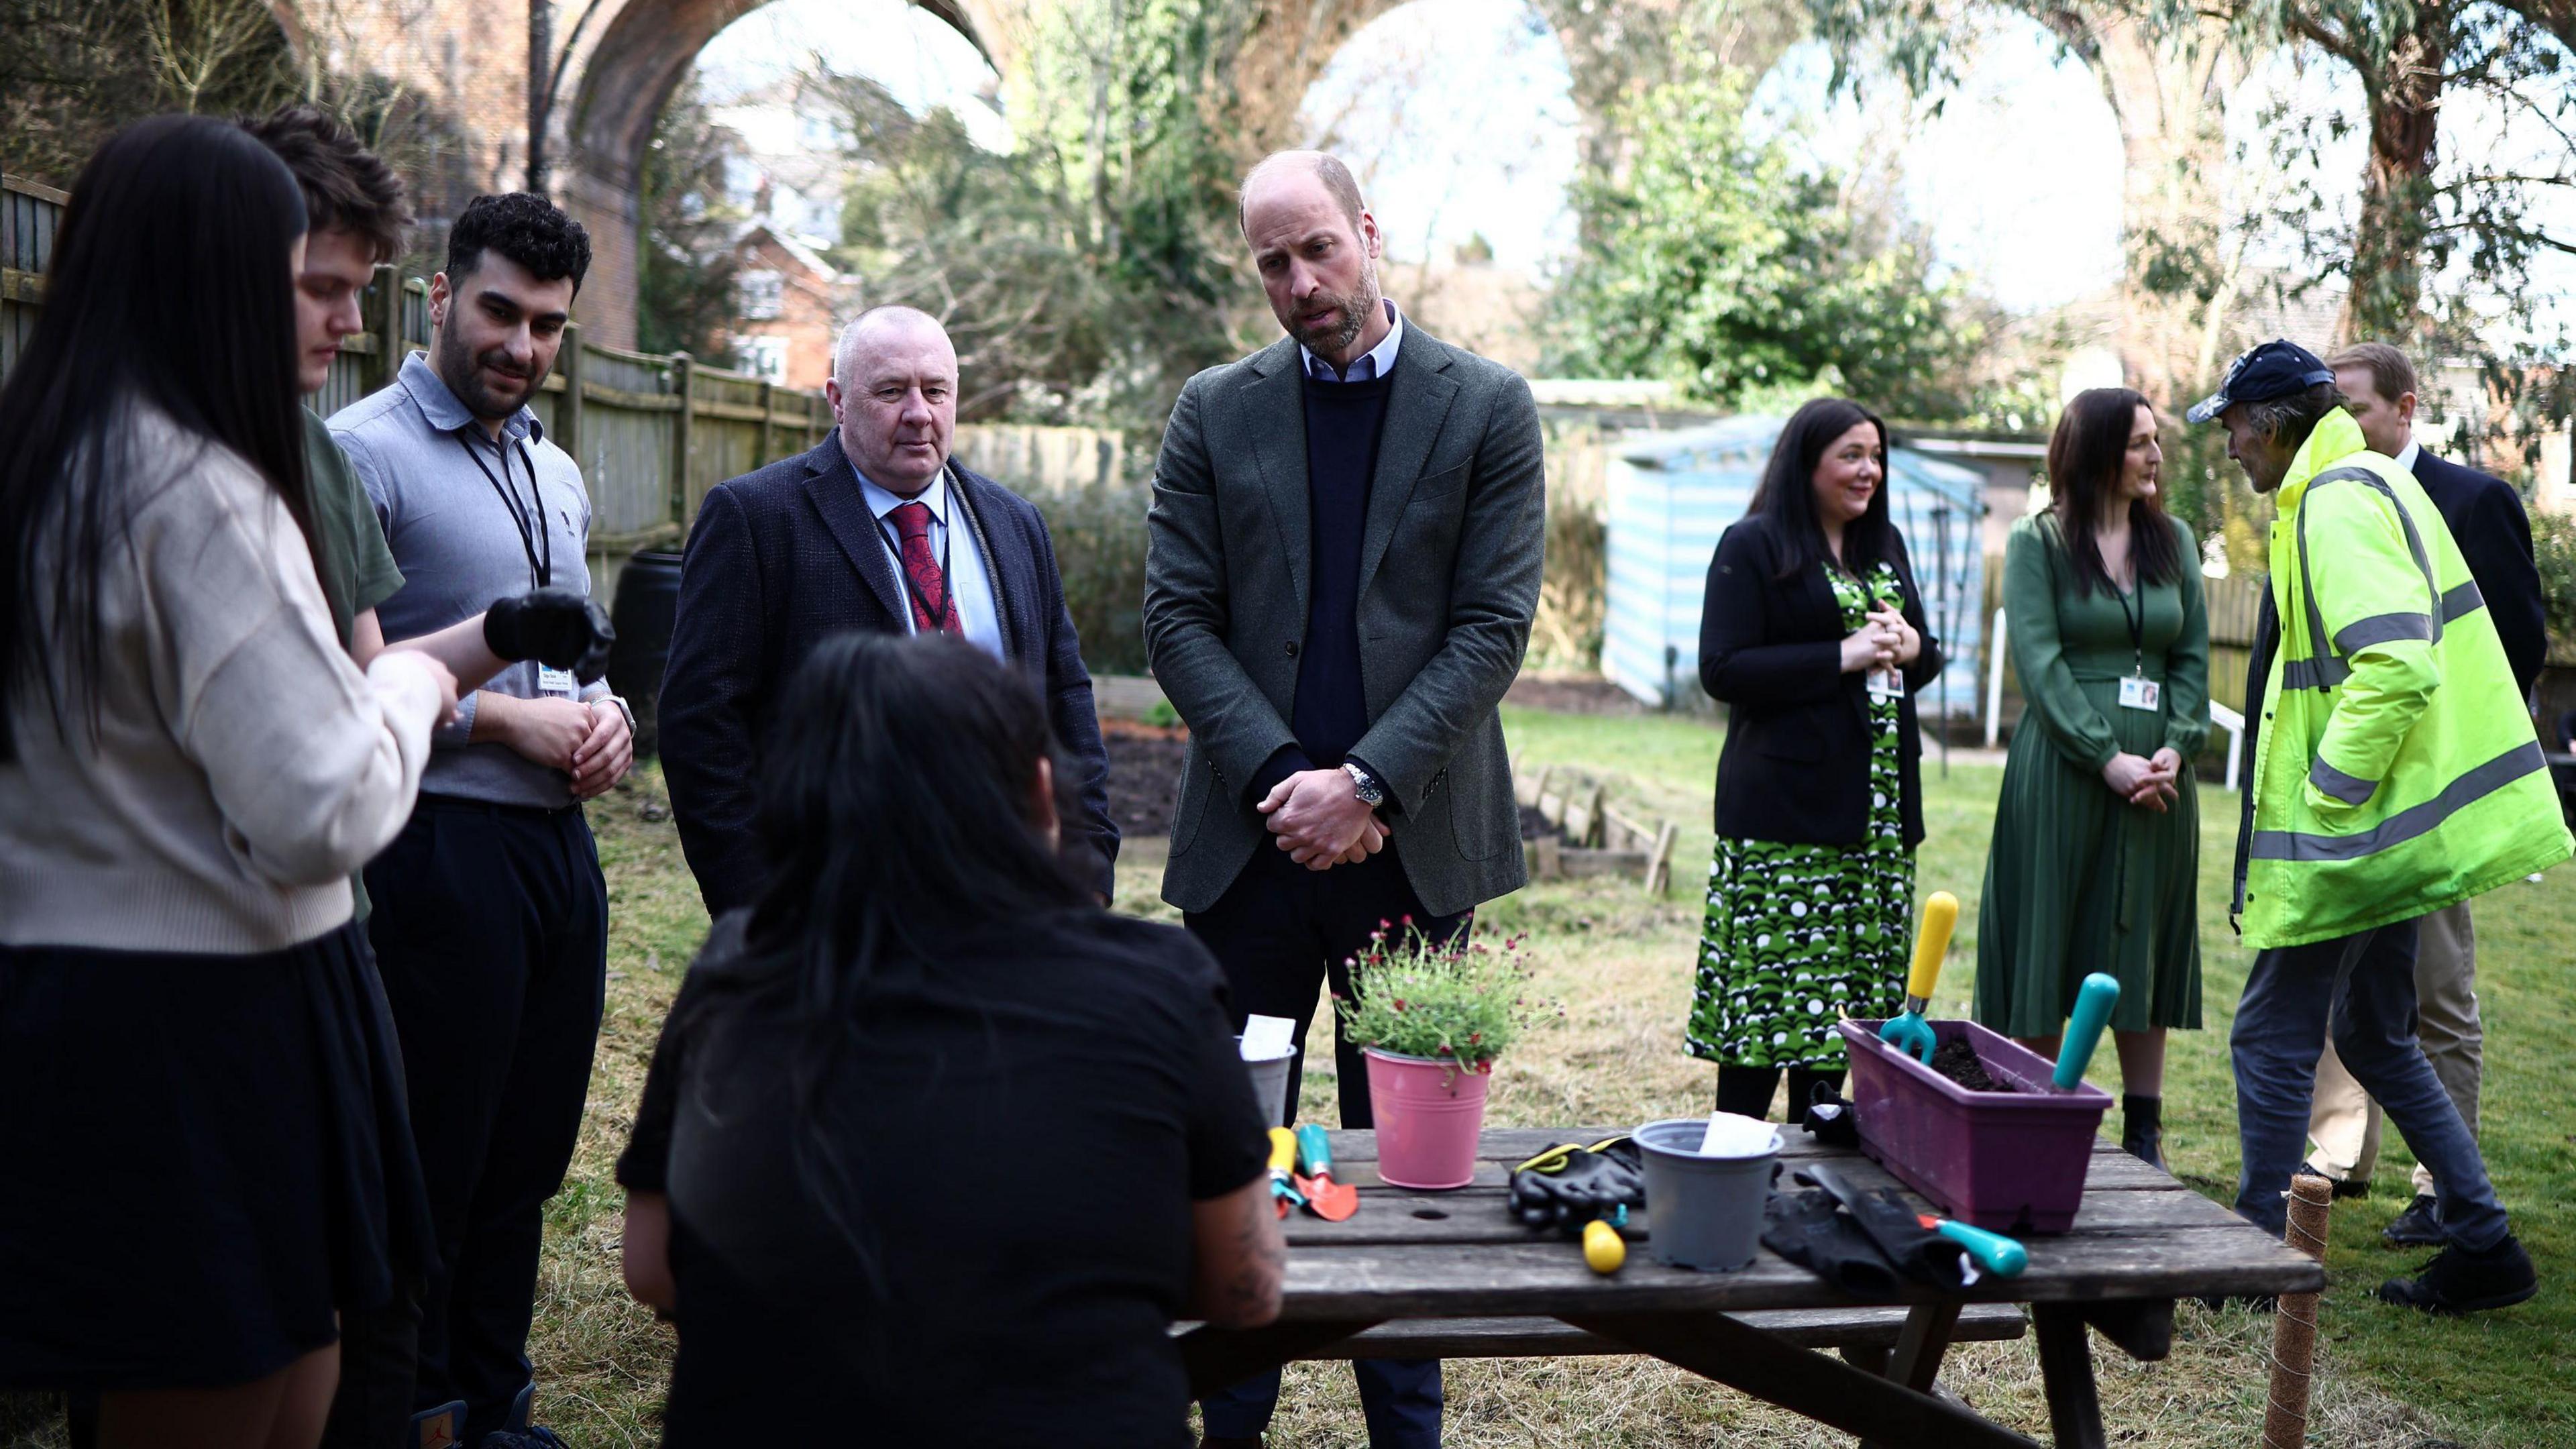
column 1703, row 1213
column 2006, row 1161
column 1270, row 1084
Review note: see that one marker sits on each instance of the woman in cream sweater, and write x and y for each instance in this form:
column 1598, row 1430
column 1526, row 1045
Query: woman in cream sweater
column 200, row 1108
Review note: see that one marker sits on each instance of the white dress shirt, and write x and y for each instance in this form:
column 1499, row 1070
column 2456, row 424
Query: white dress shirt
column 1369, row 366
column 2407, row 455
column 970, row 582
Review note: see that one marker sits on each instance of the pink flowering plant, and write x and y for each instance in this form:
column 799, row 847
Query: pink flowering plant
column 1461, row 1002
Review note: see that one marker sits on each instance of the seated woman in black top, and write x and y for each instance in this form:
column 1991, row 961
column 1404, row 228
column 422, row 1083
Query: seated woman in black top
column 946, row 1147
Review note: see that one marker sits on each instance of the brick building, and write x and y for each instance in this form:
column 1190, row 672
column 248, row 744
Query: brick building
column 788, row 307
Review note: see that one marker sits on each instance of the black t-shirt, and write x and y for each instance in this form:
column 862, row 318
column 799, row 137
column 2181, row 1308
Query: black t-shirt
column 1015, row 1135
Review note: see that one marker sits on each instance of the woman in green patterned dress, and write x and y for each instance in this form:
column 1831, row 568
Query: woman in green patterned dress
column 2096, row 854
column 1813, row 635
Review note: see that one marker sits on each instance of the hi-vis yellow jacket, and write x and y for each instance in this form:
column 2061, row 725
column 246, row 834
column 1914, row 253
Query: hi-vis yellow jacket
column 2395, row 767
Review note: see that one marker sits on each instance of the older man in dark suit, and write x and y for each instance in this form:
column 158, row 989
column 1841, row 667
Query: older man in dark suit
column 1343, row 560
column 2487, row 521
column 874, row 528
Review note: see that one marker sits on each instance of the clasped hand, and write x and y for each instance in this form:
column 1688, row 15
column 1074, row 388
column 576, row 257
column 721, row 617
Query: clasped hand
column 1886, row 641
column 1318, row 818
column 2151, row 783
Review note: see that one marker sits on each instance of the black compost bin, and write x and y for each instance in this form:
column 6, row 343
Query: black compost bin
column 648, row 594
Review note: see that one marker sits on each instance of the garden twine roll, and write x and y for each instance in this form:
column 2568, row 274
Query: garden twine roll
column 2294, row 1326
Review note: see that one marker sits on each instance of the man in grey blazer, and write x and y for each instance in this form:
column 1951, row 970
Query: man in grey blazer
column 1343, row 558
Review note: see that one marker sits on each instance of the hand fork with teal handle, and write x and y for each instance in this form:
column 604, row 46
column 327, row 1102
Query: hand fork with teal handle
column 1907, row 1031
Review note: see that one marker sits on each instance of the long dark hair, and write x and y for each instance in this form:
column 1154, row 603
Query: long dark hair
column 897, row 818
column 170, row 287
column 2085, row 458
column 1787, row 494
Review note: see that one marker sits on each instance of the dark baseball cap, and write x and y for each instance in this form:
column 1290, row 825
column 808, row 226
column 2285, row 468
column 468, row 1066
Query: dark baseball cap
column 2275, row 369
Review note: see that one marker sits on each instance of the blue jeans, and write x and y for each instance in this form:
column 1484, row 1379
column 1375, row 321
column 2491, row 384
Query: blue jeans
column 1400, row 1398
column 2364, row 987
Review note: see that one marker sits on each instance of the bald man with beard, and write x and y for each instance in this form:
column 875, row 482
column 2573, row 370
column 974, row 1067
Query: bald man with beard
column 1342, row 563
column 874, row 528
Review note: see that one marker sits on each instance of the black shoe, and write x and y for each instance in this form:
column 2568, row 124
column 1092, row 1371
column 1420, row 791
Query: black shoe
column 2343, row 1187
column 2416, row 1227
column 2462, row 1281
column 1212, row 1442
column 2142, row 1129
column 530, row 1437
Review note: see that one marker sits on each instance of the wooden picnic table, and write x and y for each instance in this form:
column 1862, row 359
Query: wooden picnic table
column 1452, row 1273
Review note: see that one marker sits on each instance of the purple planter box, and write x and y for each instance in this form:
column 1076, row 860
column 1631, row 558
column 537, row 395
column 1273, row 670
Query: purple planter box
column 2007, row 1161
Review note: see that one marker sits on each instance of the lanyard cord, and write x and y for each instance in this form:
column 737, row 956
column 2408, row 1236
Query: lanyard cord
column 948, row 595
column 2137, row 622
column 541, row 574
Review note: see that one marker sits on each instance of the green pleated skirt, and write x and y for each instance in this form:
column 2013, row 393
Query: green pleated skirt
column 2079, row 880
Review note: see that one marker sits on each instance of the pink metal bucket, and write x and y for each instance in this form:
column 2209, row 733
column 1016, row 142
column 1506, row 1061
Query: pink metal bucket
column 1428, row 1115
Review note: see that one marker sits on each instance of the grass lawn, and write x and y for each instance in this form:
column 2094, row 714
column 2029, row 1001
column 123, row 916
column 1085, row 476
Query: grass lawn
column 1620, row 964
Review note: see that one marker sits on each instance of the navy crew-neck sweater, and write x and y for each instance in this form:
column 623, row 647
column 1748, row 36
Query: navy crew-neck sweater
column 1343, row 421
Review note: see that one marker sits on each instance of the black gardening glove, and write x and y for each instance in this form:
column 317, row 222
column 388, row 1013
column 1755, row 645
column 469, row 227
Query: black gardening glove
column 1590, row 1185
column 1918, row 1252
column 1830, row 1119
column 555, row 627
column 1808, row 1229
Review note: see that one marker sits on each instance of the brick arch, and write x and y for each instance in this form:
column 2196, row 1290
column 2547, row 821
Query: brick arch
column 614, row 88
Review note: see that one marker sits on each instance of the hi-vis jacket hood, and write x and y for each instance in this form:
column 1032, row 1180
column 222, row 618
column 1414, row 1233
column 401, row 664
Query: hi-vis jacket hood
column 2395, row 769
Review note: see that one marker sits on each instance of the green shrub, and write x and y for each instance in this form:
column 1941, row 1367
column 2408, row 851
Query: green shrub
column 1099, row 532
column 1413, row 997
column 2553, row 545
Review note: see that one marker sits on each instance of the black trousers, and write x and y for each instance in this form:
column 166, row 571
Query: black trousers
column 1280, row 931
column 491, row 931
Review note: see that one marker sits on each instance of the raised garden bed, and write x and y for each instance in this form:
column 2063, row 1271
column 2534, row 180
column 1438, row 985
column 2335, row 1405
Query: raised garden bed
column 1571, row 829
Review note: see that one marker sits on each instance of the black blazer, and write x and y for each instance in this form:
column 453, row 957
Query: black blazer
column 1796, row 764
column 2494, row 536
column 785, row 557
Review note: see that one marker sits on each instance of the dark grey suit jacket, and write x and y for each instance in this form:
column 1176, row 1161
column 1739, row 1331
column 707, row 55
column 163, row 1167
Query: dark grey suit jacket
column 782, row 559
column 1449, row 575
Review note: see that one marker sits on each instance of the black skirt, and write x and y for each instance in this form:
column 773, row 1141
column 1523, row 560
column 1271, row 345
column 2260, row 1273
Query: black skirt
column 202, row 1158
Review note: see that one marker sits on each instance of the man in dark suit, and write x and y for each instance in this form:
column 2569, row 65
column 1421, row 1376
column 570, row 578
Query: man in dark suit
column 2487, row 521
column 875, row 528
column 1343, row 560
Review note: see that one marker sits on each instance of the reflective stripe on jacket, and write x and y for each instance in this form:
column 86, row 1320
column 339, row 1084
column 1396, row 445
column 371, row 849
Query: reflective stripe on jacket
column 2395, row 769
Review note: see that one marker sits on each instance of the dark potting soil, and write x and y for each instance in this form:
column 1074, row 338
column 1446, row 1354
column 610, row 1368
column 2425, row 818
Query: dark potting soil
column 1958, row 1061
column 1534, row 826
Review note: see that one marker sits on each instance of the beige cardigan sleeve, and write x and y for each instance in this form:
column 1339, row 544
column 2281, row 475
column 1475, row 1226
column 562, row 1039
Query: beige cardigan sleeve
column 313, row 764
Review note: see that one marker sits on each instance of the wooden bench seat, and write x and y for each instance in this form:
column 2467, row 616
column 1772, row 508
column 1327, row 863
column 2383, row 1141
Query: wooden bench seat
column 1842, row 1328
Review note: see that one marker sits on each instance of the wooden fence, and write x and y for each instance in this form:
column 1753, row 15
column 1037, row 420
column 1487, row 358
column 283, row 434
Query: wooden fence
column 651, row 432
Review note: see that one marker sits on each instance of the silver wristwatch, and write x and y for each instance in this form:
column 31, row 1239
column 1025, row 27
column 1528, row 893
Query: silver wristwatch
column 1365, row 785
column 622, row 708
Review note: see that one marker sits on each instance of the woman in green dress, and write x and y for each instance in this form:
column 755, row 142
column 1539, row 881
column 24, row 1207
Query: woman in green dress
column 1813, row 635
column 2096, row 851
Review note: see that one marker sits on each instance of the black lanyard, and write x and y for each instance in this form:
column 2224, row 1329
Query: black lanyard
column 947, row 536
column 2137, row 622
column 542, row 573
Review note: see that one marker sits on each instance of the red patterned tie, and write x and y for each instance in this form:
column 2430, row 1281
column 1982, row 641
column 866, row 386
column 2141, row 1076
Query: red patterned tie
column 929, row 589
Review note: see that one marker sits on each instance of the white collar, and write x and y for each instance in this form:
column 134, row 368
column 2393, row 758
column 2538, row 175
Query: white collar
column 2407, row 455
column 882, row 501
column 1381, row 358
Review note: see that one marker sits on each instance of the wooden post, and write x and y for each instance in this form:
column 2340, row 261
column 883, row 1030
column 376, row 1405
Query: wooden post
column 768, row 399
column 1659, row 868
column 568, row 407
column 386, row 323
column 684, row 369
column 2294, row 1326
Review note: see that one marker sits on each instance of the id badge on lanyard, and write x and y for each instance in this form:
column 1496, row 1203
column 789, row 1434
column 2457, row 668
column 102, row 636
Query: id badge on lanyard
column 2138, row 691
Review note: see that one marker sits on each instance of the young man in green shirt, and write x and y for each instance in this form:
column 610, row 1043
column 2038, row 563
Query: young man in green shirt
column 355, row 216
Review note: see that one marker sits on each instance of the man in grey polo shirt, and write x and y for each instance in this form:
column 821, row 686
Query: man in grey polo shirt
column 491, row 916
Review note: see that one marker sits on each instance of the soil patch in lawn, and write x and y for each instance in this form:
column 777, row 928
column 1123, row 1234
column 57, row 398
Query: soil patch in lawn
column 1144, row 774
column 1572, row 694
